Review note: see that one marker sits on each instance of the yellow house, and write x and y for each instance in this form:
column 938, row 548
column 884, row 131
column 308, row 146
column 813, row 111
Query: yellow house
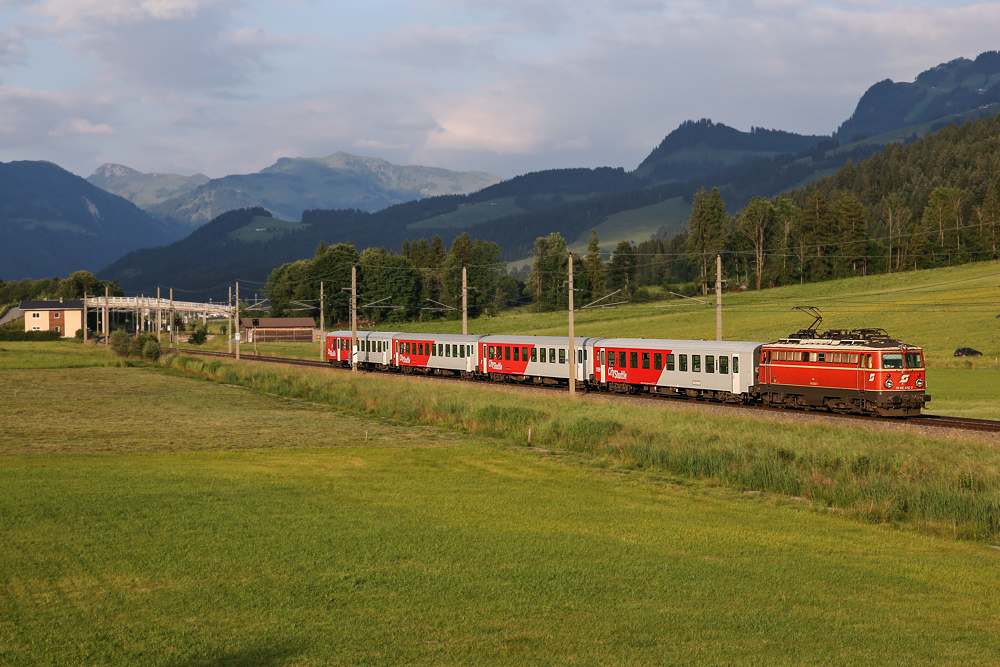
column 66, row 317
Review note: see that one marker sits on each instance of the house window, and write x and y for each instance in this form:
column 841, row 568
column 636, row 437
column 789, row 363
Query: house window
column 35, row 316
column 56, row 329
column 55, row 315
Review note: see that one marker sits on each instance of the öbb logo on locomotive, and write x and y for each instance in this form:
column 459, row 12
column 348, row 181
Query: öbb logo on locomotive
column 862, row 371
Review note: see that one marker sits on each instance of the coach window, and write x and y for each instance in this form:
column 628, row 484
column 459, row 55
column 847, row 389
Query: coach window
column 461, row 352
column 645, row 360
column 670, row 362
column 579, row 356
column 657, row 361
column 562, row 356
column 447, row 350
column 709, row 363
column 736, row 365
column 723, row 365
column 454, row 350
column 611, row 359
column 534, row 354
column 552, row 355
column 621, row 359
column 524, row 353
column 695, row 363
column 633, row 358
column 684, row 362
column 517, row 354
column 506, row 353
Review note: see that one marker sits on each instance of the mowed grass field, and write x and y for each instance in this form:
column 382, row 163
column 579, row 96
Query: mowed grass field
column 210, row 513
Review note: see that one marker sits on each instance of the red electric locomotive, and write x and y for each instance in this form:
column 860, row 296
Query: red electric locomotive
column 861, row 371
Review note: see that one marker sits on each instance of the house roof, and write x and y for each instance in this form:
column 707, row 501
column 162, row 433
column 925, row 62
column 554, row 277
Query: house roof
column 52, row 304
column 277, row 322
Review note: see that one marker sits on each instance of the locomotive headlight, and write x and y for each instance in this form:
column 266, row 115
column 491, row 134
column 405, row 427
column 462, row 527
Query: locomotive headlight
column 888, row 383
column 920, row 383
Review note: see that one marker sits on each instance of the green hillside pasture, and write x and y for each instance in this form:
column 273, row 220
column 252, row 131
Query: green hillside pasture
column 468, row 215
column 930, row 483
column 264, row 228
column 638, row 224
column 240, row 528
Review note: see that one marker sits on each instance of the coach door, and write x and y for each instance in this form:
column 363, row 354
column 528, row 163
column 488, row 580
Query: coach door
column 734, row 372
column 601, row 364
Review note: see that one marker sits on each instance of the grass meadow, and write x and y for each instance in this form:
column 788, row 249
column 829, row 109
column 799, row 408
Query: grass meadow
column 214, row 513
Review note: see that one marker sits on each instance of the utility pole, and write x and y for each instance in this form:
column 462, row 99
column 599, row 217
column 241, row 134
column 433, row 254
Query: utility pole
column 173, row 321
column 85, row 317
column 159, row 315
column 239, row 333
column 354, row 319
column 229, row 323
column 465, row 303
column 718, row 297
column 322, row 325
column 107, row 307
column 572, row 341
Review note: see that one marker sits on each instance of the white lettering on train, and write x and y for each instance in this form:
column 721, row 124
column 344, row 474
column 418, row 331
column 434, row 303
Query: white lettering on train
column 494, row 366
column 618, row 375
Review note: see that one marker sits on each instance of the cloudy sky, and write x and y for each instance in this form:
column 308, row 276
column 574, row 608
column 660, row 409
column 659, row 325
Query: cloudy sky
column 504, row 86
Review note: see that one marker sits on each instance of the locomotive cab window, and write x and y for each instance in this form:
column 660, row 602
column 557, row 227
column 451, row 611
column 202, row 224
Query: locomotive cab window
column 892, row 360
column 914, row 360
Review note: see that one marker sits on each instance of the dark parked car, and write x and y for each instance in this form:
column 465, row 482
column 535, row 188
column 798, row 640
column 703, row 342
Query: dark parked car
column 967, row 352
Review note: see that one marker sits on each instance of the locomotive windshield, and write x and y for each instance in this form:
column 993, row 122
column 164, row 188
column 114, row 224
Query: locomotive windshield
column 892, row 360
column 914, row 360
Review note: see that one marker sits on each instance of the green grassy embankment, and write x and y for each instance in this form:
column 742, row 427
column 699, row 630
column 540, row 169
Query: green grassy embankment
column 155, row 518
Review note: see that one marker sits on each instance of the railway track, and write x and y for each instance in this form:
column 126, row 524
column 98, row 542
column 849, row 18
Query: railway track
column 932, row 421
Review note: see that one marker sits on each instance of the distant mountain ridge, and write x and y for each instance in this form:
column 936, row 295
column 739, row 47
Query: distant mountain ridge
column 952, row 87
column 53, row 222
column 143, row 189
column 288, row 187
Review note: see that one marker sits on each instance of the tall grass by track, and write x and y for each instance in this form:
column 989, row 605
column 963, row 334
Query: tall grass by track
column 944, row 486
